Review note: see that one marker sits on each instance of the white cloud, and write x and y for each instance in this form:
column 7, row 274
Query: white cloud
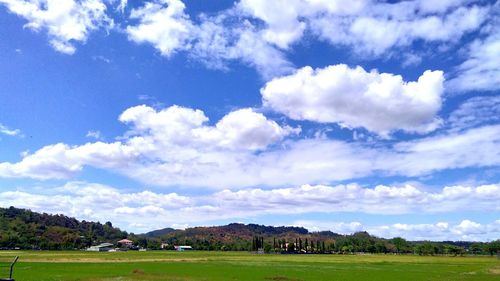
column 163, row 24
column 61, row 161
column 148, row 210
column 243, row 129
column 481, row 70
column 474, row 112
column 65, row 21
column 9, row 132
column 272, row 27
column 354, row 198
column 478, row 147
column 99, row 202
column 352, row 97
column 368, row 27
column 281, row 18
column 95, row 135
column 215, row 41
column 466, row 230
column 175, row 146
column 217, row 45
column 123, row 4
column 390, row 27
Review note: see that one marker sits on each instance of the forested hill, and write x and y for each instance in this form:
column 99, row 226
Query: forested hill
column 20, row 228
column 238, row 236
column 233, row 230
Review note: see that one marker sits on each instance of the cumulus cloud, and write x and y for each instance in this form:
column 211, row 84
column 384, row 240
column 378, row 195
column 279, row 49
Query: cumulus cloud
column 176, row 146
column 163, row 24
column 353, row 97
column 283, row 28
column 243, row 129
column 65, row 21
column 175, row 139
column 60, row 160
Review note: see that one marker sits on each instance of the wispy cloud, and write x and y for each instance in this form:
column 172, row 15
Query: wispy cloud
column 10, row 132
column 95, row 135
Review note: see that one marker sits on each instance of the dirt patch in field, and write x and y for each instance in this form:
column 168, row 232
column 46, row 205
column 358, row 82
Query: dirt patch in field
column 282, row 278
column 125, row 260
column 138, row 271
column 495, row 271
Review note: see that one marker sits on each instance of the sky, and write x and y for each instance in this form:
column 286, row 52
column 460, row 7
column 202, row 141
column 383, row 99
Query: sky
column 343, row 115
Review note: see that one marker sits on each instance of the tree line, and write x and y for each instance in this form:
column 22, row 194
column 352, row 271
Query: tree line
column 364, row 243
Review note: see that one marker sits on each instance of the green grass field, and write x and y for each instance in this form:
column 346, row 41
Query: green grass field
column 167, row 265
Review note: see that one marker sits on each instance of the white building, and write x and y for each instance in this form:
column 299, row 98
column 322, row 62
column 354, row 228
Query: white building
column 103, row 247
column 183, row 248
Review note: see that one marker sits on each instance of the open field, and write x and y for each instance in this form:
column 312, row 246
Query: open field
column 163, row 265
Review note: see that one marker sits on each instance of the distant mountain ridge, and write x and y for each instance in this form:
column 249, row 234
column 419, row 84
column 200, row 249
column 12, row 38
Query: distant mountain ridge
column 158, row 233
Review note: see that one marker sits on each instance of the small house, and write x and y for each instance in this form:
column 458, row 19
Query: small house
column 126, row 243
column 103, row 247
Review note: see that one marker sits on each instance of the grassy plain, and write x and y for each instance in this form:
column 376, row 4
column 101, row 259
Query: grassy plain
column 180, row 266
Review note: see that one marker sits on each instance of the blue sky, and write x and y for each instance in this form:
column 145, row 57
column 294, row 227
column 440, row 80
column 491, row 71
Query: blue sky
column 342, row 115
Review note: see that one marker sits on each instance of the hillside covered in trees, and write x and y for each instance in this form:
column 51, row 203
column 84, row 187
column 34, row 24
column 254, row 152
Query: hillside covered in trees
column 251, row 237
column 24, row 229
